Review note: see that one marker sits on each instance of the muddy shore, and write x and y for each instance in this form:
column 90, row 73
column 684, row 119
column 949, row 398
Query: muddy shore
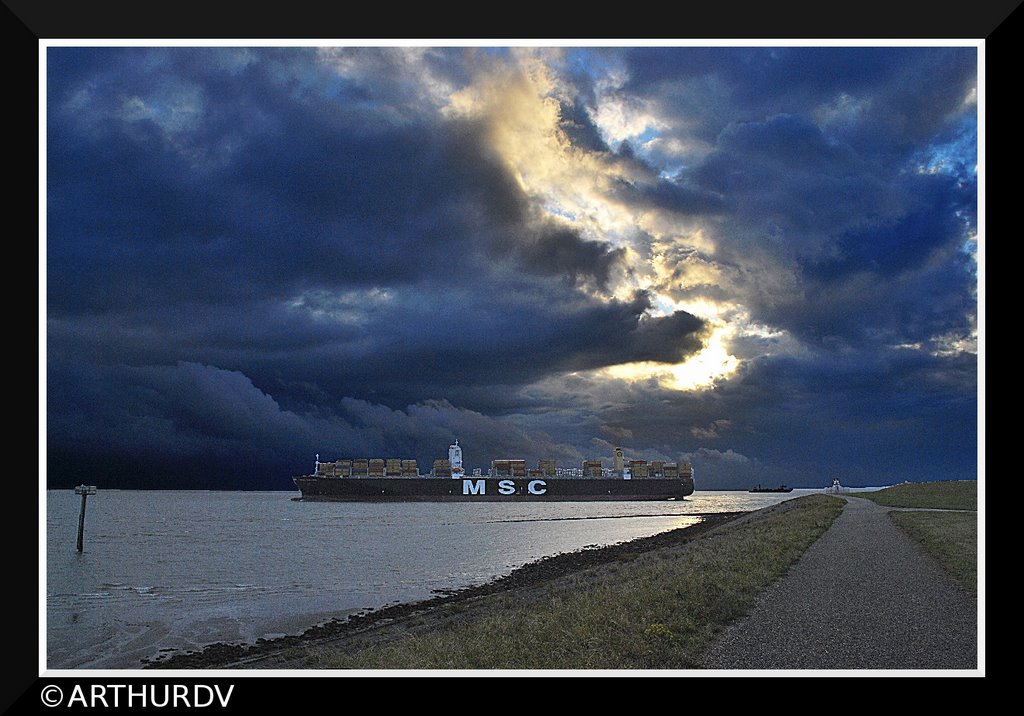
column 390, row 622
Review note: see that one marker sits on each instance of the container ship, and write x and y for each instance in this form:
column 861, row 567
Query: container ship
column 399, row 480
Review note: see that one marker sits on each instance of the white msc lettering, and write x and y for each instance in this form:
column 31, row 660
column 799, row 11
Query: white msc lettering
column 532, row 487
column 474, row 487
column 507, row 487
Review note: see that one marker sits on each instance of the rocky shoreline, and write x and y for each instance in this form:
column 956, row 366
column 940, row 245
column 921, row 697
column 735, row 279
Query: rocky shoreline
column 273, row 653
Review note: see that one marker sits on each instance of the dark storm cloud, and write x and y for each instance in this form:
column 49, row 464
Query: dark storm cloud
column 198, row 426
column 357, row 202
column 871, row 250
column 461, row 349
column 580, row 129
column 902, row 278
column 783, row 173
column 763, row 72
column 927, row 239
column 909, row 90
column 670, row 196
column 903, row 416
column 369, row 204
column 396, row 346
column 565, row 253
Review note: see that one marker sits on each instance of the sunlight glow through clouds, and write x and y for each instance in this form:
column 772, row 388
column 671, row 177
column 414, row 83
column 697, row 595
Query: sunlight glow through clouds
column 704, row 369
column 619, row 120
column 576, row 186
column 521, row 108
column 715, row 362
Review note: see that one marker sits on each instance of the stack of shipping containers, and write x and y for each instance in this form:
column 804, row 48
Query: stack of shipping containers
column 638, row 468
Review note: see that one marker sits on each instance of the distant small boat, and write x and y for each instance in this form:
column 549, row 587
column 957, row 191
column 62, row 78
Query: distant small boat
column 780, row 488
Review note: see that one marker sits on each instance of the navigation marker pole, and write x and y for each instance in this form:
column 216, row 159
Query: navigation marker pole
column 84, row 491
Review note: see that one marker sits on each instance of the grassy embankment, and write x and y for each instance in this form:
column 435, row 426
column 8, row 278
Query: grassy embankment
column 950, row 537
column 659, row 609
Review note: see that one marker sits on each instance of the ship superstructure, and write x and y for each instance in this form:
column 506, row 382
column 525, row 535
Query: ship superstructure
column 455, row 460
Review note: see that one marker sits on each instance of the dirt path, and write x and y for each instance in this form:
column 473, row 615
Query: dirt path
column 864, row 596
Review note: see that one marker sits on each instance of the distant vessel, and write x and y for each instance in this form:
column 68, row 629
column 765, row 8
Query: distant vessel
column 780, row 488
column 391, row 479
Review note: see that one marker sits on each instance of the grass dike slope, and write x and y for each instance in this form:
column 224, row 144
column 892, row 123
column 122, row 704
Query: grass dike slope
column 659, row 609
column 942, row 517
column 946, row 495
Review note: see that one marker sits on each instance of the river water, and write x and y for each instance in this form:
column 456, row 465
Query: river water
column 177, row 570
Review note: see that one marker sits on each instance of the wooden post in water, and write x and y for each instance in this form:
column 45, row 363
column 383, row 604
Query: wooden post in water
column 84, row 491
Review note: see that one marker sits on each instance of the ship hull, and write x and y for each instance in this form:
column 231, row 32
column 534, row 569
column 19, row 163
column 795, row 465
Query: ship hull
column 487, row 489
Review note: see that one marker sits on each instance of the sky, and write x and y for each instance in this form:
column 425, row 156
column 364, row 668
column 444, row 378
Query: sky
column 760, row 260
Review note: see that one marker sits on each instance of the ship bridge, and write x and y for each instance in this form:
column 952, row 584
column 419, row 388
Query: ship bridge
column 455, row 460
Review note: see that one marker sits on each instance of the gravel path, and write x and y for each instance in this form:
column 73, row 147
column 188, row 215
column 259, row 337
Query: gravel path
column 864, row 596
